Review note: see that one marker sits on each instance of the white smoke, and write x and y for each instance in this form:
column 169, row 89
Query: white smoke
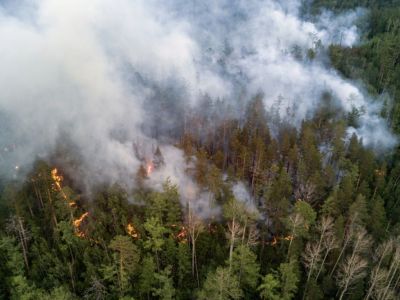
column 175, row 170
column 82, row 70
column 242, row 194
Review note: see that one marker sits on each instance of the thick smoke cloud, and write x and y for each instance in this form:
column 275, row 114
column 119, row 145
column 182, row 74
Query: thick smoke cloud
column 86, row 71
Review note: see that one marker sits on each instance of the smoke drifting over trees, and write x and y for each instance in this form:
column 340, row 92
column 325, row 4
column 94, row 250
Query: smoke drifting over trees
column 179, row 149
column 108, row 73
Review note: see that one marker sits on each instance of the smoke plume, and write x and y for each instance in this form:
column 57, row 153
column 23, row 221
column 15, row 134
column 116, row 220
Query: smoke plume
column 91, row 73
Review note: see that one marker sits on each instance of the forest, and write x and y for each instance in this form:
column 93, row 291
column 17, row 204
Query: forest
column 322, row 218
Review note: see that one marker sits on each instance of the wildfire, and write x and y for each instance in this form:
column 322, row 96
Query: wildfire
column 77, row 224
column 132, row 231
column 182, row 234
column 275, row 239
column 58, row 186
column 149, row 168
column 288, row 237
column 57, row 179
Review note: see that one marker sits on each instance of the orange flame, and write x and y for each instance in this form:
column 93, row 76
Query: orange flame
column 58, row 186
column 57, row 179
column 276, row 239
column 182, row 235
column 288, row 238
column 77, row 224
column 132, row 231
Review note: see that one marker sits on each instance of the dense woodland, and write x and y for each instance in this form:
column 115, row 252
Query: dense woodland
column 327, row 223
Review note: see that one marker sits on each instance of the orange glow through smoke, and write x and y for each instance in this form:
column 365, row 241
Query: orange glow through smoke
column 149, row 168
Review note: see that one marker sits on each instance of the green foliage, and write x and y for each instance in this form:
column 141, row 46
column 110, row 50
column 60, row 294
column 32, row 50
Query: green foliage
column 245, row 267
column 289, row 277
column 220, row 285
column 165, row 289
column 252, row 249
column 126, row 257
column 282, row 284
column 269, row 289
column 146, row 278
column 156, row 233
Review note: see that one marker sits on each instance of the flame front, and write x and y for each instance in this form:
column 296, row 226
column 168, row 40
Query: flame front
column 77, row 224
column 57, row 179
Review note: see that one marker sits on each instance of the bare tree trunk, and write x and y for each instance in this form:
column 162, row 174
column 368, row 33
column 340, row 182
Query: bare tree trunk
column 244, row 231
column 346, row 242
column 38, row 194
column 344, row 290
column 23, row 239
column 392, row 271
column 387, row 247
column 71, row 274
column 232, row 242
column 52, row 208
column 322, row 264
column 195, row 226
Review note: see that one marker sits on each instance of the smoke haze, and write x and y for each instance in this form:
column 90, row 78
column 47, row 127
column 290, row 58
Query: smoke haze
column 89, row 73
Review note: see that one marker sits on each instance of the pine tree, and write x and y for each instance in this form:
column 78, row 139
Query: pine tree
column 220, row 285
column 155, row 240
column 164, row 288
column 126, row 257
column 269, row 289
